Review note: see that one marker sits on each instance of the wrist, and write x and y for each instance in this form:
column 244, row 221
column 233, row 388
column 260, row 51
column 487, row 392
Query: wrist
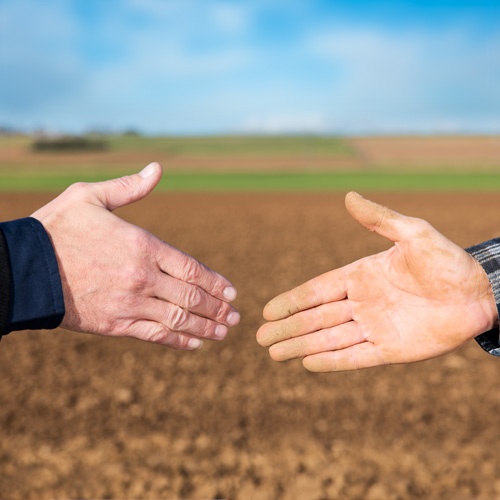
column 486, row 301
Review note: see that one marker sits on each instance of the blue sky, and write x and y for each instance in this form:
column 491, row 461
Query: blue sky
column 256, row 66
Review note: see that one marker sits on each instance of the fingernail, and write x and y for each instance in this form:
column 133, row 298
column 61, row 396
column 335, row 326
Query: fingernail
column 220, row 331
column 195, row 343
column 233, row 318
column 148, row 171
column 229, row 293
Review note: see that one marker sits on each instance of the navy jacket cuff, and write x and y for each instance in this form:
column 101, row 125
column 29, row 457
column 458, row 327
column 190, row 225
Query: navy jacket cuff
column 4, row 284
column 36, row 296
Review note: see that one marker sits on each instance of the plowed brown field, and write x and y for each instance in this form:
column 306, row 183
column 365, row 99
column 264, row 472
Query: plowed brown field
column 92, row 417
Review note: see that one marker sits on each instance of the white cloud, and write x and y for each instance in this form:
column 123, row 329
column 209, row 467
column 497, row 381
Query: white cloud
column 230, row 17
column 175, row 61
column 285, row 124
column 403, row 80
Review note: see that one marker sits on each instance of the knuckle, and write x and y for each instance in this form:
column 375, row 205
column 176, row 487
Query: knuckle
column 178, row 318
column 422, row 224
column 164, row 336
column 78, row 189
column 217, row 286
column 182, row 342
column 142, row 241
column 115, row 327
column 193, row 271
column 137, row 277
column 380, row 219
column 221, row 312
column 124, row 183
column 167, row 337
column 132, row 302
column 193, row 297
column 159, row 336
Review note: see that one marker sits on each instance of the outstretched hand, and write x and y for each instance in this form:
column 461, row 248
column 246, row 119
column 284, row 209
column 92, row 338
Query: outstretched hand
column 120, row 280
column 422, row 298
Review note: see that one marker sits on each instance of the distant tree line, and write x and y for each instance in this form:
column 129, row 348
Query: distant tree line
column 69, row 143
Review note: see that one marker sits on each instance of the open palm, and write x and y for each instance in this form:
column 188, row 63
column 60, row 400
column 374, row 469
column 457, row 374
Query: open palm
column 422, row 298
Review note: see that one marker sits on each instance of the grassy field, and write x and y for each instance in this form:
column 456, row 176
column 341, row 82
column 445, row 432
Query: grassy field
column 316, row 181
column 288, row 163
column 231, row 145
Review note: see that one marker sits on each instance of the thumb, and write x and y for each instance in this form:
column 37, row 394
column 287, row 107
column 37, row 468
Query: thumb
column 119, row 192
column 375, row 217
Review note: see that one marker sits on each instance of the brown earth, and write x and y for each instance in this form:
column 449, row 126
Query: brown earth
column 429, row 152
column 92, row 417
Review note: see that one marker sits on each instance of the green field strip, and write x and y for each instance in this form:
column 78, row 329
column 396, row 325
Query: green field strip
column 318, row 181
column 235, row 145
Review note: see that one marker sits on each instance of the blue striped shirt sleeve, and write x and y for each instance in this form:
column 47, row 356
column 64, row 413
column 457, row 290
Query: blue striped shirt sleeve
column 488, row 256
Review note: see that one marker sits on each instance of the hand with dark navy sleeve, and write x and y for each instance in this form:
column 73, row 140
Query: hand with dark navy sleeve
column 117, row 279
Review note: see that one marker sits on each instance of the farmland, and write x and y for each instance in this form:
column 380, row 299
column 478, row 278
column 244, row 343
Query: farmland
column 265, row 163
column 93, row 417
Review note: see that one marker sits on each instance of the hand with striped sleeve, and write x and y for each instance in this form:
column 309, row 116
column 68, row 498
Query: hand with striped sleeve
column 422, row 298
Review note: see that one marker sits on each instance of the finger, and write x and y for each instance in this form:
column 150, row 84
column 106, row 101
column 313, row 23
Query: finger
column 125, row 190
column 330, row 339
column 195, row 299
column 311, row 320
column 150, row 331
column 179, row 320
column 364, row 355
column 186, row 268
column 326, row 288
column 378, row 218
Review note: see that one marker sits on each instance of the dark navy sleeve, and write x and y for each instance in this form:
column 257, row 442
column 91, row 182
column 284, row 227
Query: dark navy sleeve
column 36, row 298
column 4, row 284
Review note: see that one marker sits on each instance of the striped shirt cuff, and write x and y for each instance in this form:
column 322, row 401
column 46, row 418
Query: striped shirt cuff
column 488, row 256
